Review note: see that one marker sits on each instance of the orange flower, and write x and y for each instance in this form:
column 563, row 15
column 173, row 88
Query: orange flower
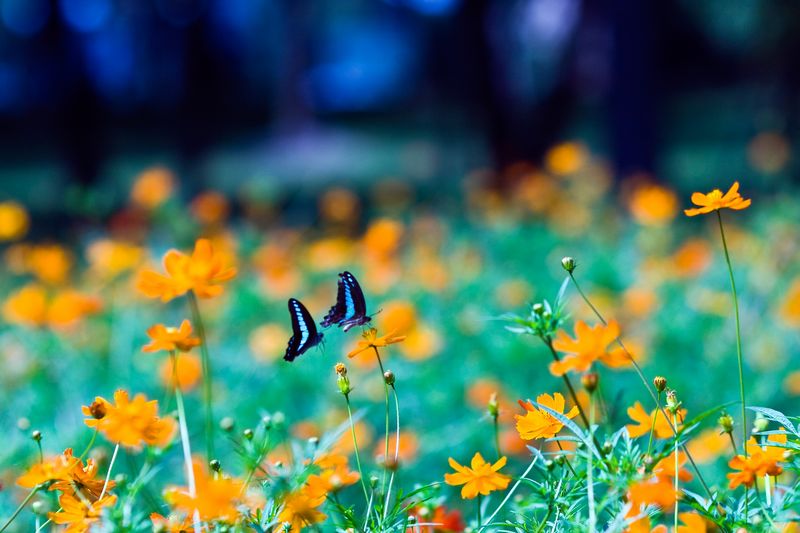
column 478, row 478
column 130, row 423
column 190, row 370
column 216, row 498
column 210, row 208
column 53, row 468
column 760, row 462
column 79, row 514
column 653, row 205
column 334, row 468
column 665, row 468
column 566, row 158
column 537, row 423
column 202, row 272
column 644, row 420
column 371, row 340
column 14, row 221
column 171, row 524
column 171, row 339
column 589, row 346
column 407, row 452
column 447, row 521
column 715, row 200
column 653, row 491
column 153, row 187
column 300, row 509
column 708, row 445
column 790, row 309
column 32, row 306
column 110, row 258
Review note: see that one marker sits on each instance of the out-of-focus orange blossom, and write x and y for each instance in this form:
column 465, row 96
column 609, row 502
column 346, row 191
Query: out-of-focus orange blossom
column 14, row 221
column 153, row 187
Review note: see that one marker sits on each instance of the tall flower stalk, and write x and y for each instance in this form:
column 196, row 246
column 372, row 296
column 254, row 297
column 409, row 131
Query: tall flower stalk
column 208, row 390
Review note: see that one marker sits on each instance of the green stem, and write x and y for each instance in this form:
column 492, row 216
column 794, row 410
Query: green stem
column 738, row 332
column 549, row 342
column 480, row 500
column 396, row 463
column 589, row 471
column 187, row 450
column 653, row 426
column 497, row 438
column 355, row 449
column 89, row 446
column 21, row 506
column 646, row 383
column 510, row 493
column 733, row 444
column 677, row 473
column 386, row 435
column 207, row 378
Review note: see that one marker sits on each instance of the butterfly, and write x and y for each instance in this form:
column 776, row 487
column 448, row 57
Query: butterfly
column 350, row 309
column 304, row 331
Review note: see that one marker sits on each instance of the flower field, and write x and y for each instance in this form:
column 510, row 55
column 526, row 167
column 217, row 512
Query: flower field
column 570, row 354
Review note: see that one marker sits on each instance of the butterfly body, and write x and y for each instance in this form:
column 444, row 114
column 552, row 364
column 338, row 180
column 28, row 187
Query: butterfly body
column 304, row 331
column 350, row 309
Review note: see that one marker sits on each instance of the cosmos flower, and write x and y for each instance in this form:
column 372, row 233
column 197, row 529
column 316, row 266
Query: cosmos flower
column 202, row 273
column 130, row 423
column 478, row 478
column 590, row 345
column 372, row 340
column 537, row 423
column 301, row 509
column 644, row 422
column 216, row 498
column 171, row 339
column 715, row 200
column 79, row 514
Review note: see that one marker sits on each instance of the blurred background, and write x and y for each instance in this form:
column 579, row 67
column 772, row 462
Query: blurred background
column 447, row 152
column 227, row 92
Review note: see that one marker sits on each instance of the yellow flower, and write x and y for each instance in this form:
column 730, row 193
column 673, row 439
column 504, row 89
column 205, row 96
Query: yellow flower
column 715, row 200
column 335, row 471
column 589, row 345
column 80, row 515
column 371, row 340
column 644, row 422
column 537, row 423
column 110, row 258
column 478, row 478
column 14, row 221
column 203, row 273
column 216, row 498
column 171, row 339
column 33, row 306
column 130, row 423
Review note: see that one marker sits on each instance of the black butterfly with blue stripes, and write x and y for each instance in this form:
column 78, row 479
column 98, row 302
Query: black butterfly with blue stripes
column 304, row 331
column 350, row 309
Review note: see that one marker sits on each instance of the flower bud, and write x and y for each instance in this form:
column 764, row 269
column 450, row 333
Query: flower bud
column 569, row 264
column 647, row 459
column 672, row 401
column 227, row 424
column 725, row 422
column 607, row 446
column 548, row 464
column 589, row 381
column 40, row 507
column 287, row 526
column 373, row 481
column 313, row 441
column 248, row 434
column 388, row 377
column 215, row 465
column 760, row 424
column 660, row 383
column 340, row 369
column 36, row 435
column 538, row 309
column 120, row 480
column 266, row 421
column 493, row 407
column 342, row 381
column 278, row 418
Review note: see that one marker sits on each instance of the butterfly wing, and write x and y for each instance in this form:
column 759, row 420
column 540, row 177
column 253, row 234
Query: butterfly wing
column 339, row 310
column 304, row 331
column 356, row 306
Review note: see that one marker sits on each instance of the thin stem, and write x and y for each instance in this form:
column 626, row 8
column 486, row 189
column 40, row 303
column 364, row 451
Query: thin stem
column 653, row 426
column 89, row 446
column 41, row 453
column 208, row 394
column 20, row 507
column 262, row 451
column 677, row 472
column 566, row 459
column 646, row 383
column 480, row 500
column 738, row 333
column 511, row 492
column 497, row 438
column 108, row 474
column 187, row 450
column 355, row 449
column 396, row 463
column 386, row 435
column 549, row 343
column 733, row 444
column 767, row 489
column 589, row 471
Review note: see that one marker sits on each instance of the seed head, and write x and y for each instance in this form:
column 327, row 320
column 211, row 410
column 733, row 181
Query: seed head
column 660, row 383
